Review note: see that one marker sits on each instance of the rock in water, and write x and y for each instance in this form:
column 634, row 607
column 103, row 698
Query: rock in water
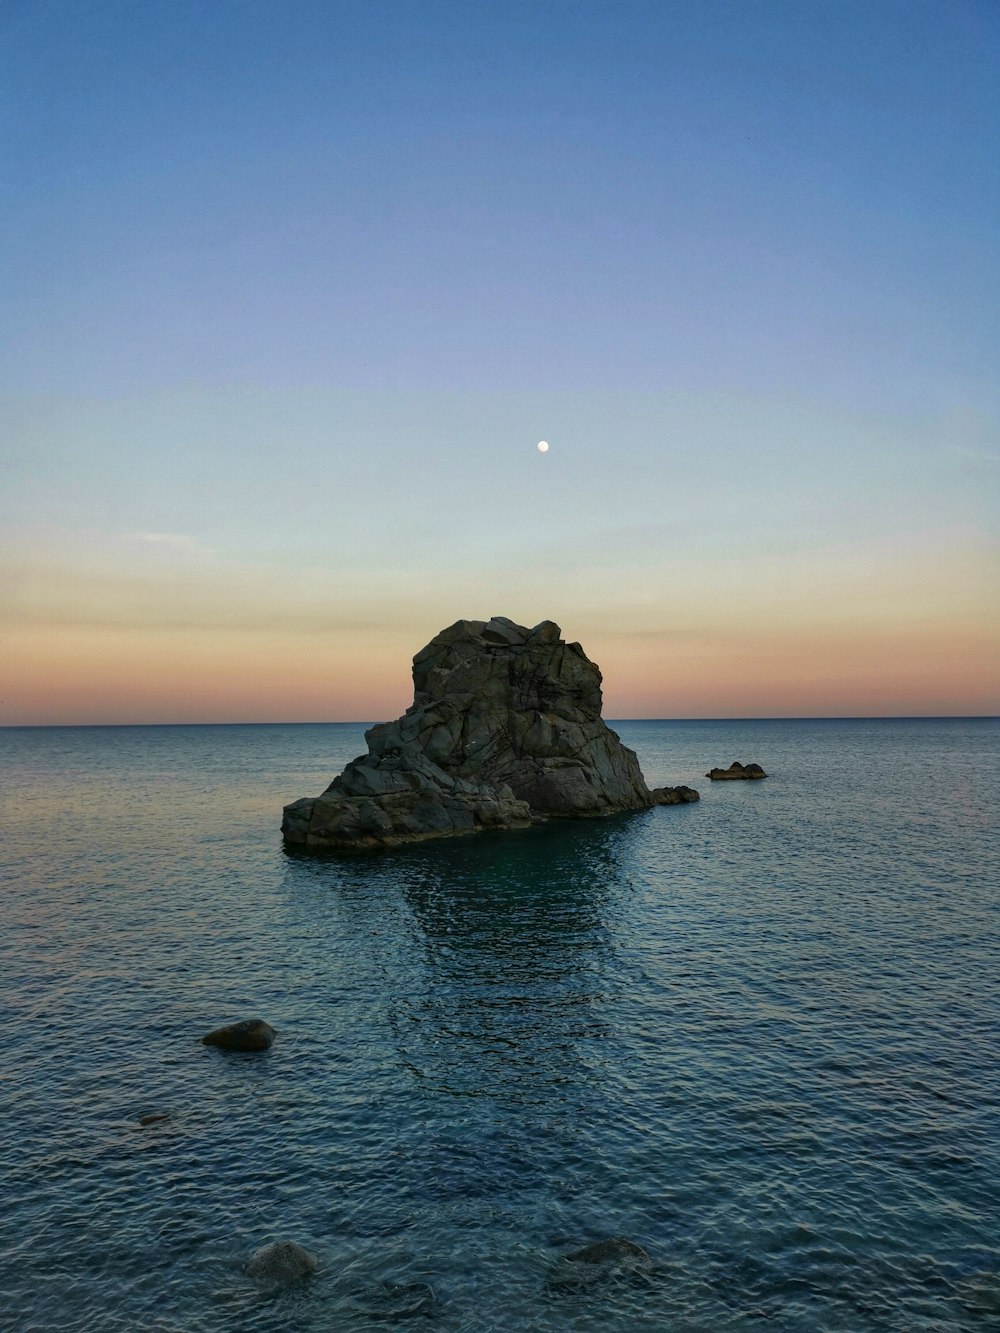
column 252, row 1034
column 394, row 1302
column 584, row 1269
column 615, row 1250
column 674, row 795
column 154, row 1118
column 737, row 771
column 281, row 1261
column 505, row 728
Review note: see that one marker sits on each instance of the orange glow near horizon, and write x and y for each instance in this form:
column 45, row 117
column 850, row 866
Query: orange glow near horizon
column 113, row 632
column 901, row 672
column 133, row 677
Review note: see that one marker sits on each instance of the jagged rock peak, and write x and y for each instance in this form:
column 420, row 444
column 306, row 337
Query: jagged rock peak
column 505, row 728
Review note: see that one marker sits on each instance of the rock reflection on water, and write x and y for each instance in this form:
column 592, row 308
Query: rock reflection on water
column 516, row 949
column 496, row 957
column 487, row 964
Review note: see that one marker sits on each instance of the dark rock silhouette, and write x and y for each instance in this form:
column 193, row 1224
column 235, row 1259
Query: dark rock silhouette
column 505, row 728
column 252, row 1034
column 281, row 1261
column 736, row 771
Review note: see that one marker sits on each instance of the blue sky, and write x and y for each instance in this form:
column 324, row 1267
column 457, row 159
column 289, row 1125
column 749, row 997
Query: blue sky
column 291, row 291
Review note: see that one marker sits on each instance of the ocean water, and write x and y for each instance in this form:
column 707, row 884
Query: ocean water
column 758, row 1036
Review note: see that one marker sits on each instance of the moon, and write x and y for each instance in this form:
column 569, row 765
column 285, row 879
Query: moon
column 543, row 446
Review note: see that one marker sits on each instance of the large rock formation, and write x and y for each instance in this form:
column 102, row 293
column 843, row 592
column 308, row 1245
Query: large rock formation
column 505, row 728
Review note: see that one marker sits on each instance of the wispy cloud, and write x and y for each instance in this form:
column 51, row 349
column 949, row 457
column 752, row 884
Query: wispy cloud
column 984, row 455
column 173, row 541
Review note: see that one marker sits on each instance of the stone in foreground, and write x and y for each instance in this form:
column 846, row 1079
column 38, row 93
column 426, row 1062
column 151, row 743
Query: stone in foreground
column 252, row 1034
column 736, row 771
column 505, row 729
column 281, row 1261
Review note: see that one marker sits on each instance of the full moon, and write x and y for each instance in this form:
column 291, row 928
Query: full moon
column 543, row 446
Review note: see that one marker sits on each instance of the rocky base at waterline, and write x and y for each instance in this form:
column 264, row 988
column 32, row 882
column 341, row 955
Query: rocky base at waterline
column 505, row 729
column 736, row 772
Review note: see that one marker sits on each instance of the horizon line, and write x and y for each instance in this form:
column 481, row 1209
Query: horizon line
column 361, row 722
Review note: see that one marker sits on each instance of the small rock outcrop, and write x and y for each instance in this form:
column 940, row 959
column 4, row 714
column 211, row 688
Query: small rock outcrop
column 674, row 795
column 252, row 1034
column 736, row 771
column 281, row 1261
column 505, row 728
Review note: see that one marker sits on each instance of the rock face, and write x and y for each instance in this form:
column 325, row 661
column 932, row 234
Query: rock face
column 281, row 1261
column 505, row 728
column 736, row 771
column 252, row 1034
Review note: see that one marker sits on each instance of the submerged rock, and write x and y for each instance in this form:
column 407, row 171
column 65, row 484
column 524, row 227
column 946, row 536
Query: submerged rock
column 980, row 1294
column 736, row 771
column 281, row 1261
column 505, row 728
column 614, row 1250
column 252, row 1034
column 393, row 1301
column 603, row 1260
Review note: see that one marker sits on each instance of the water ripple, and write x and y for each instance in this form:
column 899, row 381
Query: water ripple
column 757, row 1036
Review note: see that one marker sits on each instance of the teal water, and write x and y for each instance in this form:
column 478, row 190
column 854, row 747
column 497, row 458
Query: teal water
column 757, row 1035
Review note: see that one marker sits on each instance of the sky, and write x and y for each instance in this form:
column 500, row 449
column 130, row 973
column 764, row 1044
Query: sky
column 290, row 292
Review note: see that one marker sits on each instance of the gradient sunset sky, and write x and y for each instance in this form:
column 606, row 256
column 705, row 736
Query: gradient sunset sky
column 290, row 292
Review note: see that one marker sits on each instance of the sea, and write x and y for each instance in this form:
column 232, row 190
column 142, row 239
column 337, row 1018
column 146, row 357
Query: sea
column 756, row 1036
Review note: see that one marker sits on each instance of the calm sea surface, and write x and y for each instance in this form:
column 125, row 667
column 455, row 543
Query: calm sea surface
column 758, row 1036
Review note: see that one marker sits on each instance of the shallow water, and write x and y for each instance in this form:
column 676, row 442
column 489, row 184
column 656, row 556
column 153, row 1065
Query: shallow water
column 757, row 1036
